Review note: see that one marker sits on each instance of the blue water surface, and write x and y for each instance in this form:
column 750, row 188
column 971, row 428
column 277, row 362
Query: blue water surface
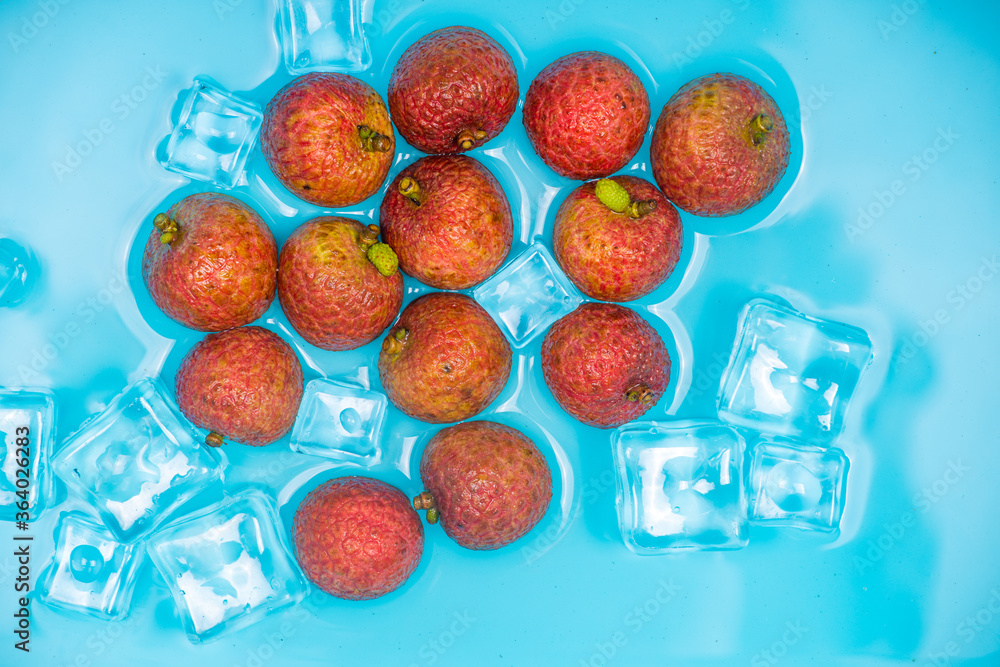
column 885, row 220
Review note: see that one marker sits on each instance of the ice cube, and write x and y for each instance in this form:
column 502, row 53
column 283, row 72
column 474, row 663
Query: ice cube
column 214, row 135
column 18, row 272
column 137, row 461
column 528, row 295
column 323, row 35
column 91, row 572
column 680, row 486
column 228, row 566
column 27, row 426
column 793, row 484
column 340, row 422
column 791, row 374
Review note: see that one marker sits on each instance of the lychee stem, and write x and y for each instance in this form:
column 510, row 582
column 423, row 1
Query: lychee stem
column 214, row 439
column 394, row 342
column 373, row 141
column 641, row 393
column 425, row 501
column 369, row 236
column 468, row 139
column 384, row 258
column 409, row 188
column 637, row 209
column 167, row 226
column 759, row 128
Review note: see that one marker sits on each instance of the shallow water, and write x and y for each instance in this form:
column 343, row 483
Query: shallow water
column 884, row 221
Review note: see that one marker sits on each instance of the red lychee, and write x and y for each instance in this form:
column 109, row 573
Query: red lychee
column 604, row 364
column 586, row 115
column 357, row 538
column 211, row 262
column 719, row 146
column 244, row 384
column 452, row 90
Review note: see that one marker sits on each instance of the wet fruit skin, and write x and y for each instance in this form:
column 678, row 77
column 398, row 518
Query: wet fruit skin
column 445, row 359
column 586, row 115
column 604, row 364
column 489, row 482
column 313, row 138
column 703, row 154
column 244, row 384
column 452, row 90
column 218, row 270
column 357, row 538
column 459, row 233
column 329, row 290
column 612, row 256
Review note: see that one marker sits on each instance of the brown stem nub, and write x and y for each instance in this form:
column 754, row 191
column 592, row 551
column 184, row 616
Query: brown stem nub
column 167, row 226
column 369, row 236
column 393, row 344
column 409, row 188
column 637, row 209
column 759, row 128
column 373, row 141
column 425, row 501
column 641, row 393
column 468, row 139
column 213, row 439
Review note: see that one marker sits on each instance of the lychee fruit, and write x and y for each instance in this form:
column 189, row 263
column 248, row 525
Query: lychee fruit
column 448, row 220
column 452, row 90
column 719, row 146
column 445, row 360
column 337, row 285
column 586, row 115
column 604, row 364
column 357, row 538
column 328, row 139
column 210, row 262
column 244, row 384
column 487, row 482
column 617, row 239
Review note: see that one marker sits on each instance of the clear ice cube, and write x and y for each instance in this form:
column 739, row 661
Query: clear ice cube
column 340, row 422
column 137, row 461
column 214, row 135
column 792, row 484
column 791, row 374
column 528, row 295
column 680, row 486
column 91, row 572
column 18, row 271
column 27, row 426
column 323, row 35
column 228, row 566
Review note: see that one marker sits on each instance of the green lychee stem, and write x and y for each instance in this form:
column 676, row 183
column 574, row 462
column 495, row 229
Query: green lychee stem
column 637, row 209
column 759, row 128
column 167, row 226
column 425, row 501
column 468, row 139
column 395, row 342
column 214, row 439
column 369, row 236
column 384, row 258
column 641, row 393
column 374, row 141
column 409, row 188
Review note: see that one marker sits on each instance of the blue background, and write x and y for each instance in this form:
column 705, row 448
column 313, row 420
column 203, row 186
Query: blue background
column 886, row 220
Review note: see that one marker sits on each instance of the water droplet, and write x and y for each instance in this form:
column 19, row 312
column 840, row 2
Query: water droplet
column 792, row 487
column 350, row 420
column 18, row 272
column 86, row 562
